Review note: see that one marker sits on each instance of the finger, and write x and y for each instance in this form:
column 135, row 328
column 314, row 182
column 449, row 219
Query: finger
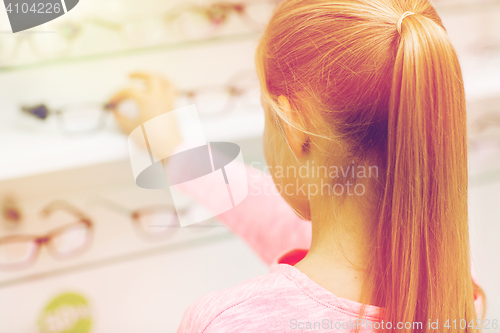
column 128, row 93
column 152, row 81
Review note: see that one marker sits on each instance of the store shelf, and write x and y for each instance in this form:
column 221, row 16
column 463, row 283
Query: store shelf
column 26, row 153
column 115, row 240
column 30, row 147
column 223, row 235
column 136, row 51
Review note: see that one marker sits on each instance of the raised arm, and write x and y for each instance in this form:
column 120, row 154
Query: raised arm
column 263, row 219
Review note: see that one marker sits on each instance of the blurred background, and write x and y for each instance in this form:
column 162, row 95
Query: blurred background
column 65, row 171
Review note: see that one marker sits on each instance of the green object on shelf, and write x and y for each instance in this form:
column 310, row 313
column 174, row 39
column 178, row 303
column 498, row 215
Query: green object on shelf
column 67, row 313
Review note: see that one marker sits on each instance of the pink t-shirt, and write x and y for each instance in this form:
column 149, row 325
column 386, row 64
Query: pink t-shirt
column 285, row 300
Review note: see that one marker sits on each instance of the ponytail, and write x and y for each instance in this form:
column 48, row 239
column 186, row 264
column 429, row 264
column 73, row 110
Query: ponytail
column 423, row 225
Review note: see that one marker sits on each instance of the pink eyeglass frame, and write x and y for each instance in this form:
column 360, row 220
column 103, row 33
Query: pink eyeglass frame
column 46, row 239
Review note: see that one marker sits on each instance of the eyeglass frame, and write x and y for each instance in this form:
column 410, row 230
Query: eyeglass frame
column 45, row 239
column 210, row 11
column 234, row 93
column 58, row 112
column 77, row 28
column 135, row 215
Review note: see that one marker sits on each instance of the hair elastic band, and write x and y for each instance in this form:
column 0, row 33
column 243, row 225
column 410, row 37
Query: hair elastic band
column 398, row 26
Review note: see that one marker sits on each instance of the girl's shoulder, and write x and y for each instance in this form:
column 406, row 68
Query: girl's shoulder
column 220, row 307
column 283, row 300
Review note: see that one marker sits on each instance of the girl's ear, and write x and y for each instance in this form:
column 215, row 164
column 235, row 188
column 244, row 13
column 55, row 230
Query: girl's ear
column 296, row 138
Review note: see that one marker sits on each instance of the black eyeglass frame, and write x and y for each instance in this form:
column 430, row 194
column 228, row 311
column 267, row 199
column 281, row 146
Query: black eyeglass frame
column 42, row 112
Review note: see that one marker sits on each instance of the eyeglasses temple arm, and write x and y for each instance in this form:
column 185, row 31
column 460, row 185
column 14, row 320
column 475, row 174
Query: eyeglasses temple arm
column 109, row 204
column 62, row 205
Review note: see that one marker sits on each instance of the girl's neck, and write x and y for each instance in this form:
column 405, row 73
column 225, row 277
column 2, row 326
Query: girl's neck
column 338, row 257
